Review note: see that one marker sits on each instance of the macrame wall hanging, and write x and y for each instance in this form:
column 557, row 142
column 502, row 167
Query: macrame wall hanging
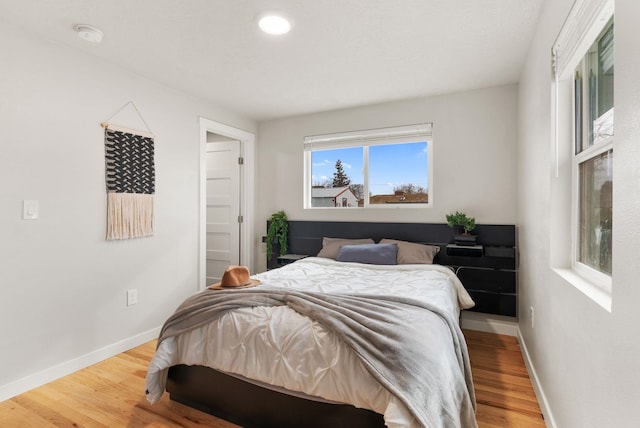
column 130, row 179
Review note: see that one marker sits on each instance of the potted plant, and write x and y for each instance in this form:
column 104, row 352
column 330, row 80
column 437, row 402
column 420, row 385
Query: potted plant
column 277, row 232
column 463, row 225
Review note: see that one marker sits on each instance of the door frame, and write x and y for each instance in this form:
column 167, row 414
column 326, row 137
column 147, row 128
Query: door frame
column 247, row 193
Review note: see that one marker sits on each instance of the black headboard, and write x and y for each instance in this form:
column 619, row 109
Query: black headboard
column 499, row 241
column 488, row 271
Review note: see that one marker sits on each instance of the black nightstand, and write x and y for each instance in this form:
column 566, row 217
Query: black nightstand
column 289, row 258
column 488, row 273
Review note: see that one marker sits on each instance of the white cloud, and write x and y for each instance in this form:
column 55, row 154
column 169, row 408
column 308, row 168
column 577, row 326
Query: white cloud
column 325, row 162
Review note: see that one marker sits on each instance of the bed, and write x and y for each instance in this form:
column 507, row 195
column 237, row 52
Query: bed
column 295, row 358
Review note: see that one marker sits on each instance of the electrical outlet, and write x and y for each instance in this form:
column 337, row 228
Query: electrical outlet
column 531, row 315
column 132, row 297
column 30, row 209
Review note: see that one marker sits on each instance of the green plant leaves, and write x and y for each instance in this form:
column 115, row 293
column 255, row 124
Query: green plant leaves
column 277, row 232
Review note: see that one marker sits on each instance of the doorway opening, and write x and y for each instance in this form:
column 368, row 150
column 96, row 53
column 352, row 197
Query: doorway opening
column 226, row 199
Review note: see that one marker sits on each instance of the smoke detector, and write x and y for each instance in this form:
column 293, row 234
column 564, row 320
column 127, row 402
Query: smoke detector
column 89, row 33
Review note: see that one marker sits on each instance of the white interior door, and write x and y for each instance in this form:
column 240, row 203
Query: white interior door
column 223, row 208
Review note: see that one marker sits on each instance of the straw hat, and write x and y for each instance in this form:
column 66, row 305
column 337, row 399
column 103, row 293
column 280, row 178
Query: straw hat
column 235, row 277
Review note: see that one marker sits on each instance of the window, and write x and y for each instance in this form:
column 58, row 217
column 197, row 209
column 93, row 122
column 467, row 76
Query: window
column 379, row 168
column 593, row 158
column 595, row 212
column 584, row 69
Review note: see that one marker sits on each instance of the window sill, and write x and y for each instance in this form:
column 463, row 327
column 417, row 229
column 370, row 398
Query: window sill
column 376, row 207
column 599, row 294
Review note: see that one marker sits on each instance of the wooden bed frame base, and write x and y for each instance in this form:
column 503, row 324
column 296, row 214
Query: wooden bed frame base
column 252, row 406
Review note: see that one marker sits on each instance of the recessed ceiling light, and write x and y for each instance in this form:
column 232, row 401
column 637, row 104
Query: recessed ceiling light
column 89, row 33
column 274, row 23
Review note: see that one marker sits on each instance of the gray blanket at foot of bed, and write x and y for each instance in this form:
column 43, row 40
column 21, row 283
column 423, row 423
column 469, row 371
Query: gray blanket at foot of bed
column 413, row 349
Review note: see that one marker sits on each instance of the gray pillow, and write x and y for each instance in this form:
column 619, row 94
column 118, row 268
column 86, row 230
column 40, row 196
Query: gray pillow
column 331, row 246
column 413, row 253
column 374, row 254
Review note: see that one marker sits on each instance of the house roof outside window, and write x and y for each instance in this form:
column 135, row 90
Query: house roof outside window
column 328, row 192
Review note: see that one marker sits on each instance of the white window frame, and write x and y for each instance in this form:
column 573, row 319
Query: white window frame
column 592, row 275
column 365, row 139
column 584, row 24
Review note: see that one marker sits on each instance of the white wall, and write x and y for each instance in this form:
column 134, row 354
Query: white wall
column 586, row 359
column 62, row 286
column 474, row 158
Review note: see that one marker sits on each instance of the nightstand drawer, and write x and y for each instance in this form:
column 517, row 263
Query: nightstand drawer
column 465, row 250
column 494, row 303
column 491, row 280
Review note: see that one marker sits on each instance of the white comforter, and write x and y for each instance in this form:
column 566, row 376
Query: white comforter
column 279, row 347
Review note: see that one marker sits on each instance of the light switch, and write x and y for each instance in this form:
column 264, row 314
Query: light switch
column 132, row 297
column 30, row 209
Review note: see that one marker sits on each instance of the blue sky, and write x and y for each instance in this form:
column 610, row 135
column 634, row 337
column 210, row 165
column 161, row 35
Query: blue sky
column 389, row 165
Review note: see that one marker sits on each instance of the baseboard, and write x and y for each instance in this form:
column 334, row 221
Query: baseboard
column 47, row 375
column 489, row 323
column 540, row 395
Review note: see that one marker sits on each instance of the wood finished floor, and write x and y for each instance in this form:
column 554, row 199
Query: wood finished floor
column 109, row 394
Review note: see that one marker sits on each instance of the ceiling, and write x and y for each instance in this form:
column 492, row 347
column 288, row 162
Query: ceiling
column 339, row 54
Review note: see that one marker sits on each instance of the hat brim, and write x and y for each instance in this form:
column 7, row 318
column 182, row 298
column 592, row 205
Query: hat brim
column 218, row 286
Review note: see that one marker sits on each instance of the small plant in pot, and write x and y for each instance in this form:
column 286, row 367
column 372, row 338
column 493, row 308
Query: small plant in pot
column 277, row 232
column 463, row 225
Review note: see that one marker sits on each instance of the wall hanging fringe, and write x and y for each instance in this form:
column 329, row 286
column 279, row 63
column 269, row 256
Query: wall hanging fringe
column 130, row 179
